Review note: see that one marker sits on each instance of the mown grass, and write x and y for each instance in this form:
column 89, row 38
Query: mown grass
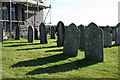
column 21, row 59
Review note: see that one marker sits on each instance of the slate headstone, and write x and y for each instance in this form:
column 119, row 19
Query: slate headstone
column 52, row 33
column 60, row 33
column 82, row 37
column 93, row 43
column 117, row 40
column 107, row 36
column 31, row 34
column 43, row 34
column 71, row 42
column 17, row 33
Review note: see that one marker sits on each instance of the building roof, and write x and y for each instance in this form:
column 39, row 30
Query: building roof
column 30, row 2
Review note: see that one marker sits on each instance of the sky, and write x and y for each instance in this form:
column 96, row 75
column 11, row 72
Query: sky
column 101, row 12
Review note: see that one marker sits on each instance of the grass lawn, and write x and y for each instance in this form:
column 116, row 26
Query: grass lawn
column 21, row 59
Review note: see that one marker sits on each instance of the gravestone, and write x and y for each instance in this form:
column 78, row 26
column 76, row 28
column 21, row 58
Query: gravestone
column 17, row 33
column 107, row 36
column 72, row 36
column 117, row 40
column 82, row 37
column 31, row 34
column 43, row 34
column 93, row 43
column 60, row 33
column 114, row 34
column 52, row 33
column 1, row 32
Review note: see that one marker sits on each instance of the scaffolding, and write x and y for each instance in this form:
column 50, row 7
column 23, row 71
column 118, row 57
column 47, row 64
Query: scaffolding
column 27, row 3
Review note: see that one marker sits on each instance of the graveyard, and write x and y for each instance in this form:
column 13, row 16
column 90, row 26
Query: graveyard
column 52, row 58
column 32, row 48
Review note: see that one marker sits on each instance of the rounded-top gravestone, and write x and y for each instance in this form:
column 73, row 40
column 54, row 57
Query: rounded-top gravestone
column 71, row 42
column 43, row 34
column 60, row 33
column 52, row 33
column 107, row 36
column 94, row 43
column 31, row 34
column 82, row 37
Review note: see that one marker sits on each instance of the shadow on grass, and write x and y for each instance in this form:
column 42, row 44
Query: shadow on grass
column 57, row 50
column 111, row 46
column 63, row 67
column 13, row 42
column 107, row 46
column 50, row 47
column 41, row 61
column 22, row 45
column 28, row 49
column 35, row 48
column 115, row 45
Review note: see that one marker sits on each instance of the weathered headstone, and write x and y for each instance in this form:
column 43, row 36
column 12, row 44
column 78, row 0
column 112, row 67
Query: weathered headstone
column 117, row 40
column 31, row 34
column 17, row 33
column 52, row 33
column 82, row 37
column 1, row 32
column 43, row 34
column 93, row 43
column 60, row 33
column 107, row 36
column 71, row 42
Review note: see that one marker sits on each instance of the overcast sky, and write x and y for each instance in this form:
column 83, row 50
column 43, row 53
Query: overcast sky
column 101, row 12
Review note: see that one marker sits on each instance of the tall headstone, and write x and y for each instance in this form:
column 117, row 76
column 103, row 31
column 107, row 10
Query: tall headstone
column 31, row 34
column 117, row 40
column 52, row 33
column 43, row 34
column 60, row 33
column 107, row 36
column 17, row 33
column 71, row 42
column 94, row 43
column 82, row 37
